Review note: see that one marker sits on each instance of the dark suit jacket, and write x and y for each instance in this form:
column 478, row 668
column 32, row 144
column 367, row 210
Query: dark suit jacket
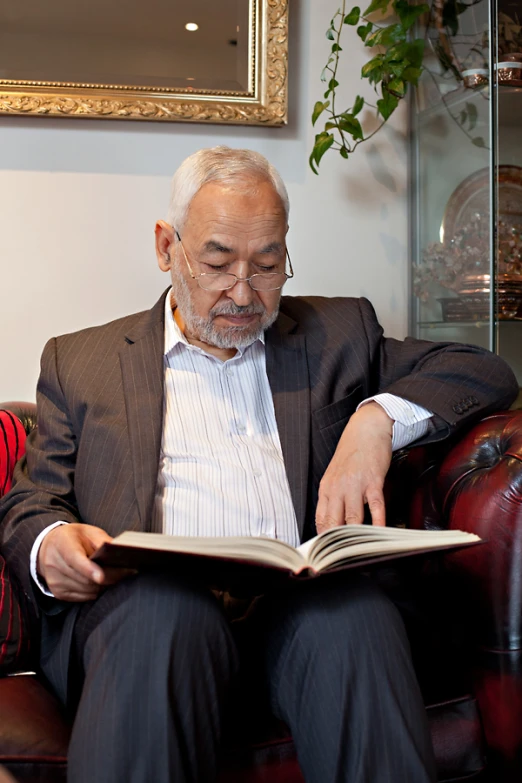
column 94, row 456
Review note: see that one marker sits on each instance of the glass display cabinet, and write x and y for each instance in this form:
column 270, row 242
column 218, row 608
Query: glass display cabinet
column 467, row 178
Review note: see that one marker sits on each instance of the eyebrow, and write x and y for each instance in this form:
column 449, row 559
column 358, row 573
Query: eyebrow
column 212, row 244
column 273, row 247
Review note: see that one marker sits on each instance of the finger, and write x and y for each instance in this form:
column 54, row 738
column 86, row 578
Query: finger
column 353, row 509
column 58, row 574
column 322, row 506
column 62, row 588
column 375, row 501
column 333, row 515
column 59, row 562
column 78, row 561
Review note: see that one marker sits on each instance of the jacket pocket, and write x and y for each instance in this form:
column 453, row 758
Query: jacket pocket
column 336, row 412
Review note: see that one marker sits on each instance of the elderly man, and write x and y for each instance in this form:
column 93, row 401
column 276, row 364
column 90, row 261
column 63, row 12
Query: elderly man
column 227, row 410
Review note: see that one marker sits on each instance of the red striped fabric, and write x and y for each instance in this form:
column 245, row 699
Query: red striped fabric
column 12, row 447
column 13, row 640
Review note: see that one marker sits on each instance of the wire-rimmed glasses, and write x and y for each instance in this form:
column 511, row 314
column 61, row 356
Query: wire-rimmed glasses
column 223, row 281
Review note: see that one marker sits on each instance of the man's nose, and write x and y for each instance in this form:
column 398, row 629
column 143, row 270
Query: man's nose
column 241, row 293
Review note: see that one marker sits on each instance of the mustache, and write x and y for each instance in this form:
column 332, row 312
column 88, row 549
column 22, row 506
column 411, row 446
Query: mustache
column 231, row 308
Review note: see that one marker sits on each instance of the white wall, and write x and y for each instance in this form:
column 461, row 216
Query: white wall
column 79, row 198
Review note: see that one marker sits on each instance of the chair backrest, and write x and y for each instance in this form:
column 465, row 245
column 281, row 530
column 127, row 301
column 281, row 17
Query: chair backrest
column 16, row 420
column 12, row 447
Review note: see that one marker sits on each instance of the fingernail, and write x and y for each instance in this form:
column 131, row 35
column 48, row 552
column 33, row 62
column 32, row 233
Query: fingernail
column 97, row 576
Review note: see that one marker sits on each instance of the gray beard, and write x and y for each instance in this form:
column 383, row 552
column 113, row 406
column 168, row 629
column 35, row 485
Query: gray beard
column 205, row 330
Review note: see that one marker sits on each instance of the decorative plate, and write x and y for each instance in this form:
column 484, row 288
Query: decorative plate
column 472, row 196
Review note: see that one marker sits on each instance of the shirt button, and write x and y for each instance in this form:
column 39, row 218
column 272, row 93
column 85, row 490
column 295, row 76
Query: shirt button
column 229, row 372
column 257, row 473
column 241, row 429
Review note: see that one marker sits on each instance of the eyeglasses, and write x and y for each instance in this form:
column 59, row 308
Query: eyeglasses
column 223, row 281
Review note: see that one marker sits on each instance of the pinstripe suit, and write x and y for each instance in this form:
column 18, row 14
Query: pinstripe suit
column 95, row 454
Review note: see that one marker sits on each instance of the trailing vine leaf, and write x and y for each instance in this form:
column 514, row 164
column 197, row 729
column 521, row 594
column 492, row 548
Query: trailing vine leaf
column 377, row 5
column 350, row 124
column 353, row 17
column 323, row 142
column 411, row 52
column 478, row 141
column 318, row 110
column 373, row 68
column 357, row 106
column 397, row 87
column 411, row 75
column 408, row 14
column 386, row 36
column 387, row 104
column 364, row 30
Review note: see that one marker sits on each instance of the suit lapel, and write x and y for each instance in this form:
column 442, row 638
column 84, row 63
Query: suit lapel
column 287, row 370
column 141, row 361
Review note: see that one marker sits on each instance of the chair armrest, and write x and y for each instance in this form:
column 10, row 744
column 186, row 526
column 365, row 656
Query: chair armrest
column 478, row 488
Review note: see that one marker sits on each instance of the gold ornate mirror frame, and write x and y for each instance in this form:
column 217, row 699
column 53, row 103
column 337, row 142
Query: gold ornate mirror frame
column 264, row 102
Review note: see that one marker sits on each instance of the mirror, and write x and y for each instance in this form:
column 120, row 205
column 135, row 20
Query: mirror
column 191, row 60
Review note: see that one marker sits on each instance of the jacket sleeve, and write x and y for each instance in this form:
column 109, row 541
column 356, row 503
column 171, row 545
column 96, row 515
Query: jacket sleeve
column 43, row 490
column 458, row 383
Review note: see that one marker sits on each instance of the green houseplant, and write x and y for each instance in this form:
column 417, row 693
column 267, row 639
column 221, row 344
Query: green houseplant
column 396, row 63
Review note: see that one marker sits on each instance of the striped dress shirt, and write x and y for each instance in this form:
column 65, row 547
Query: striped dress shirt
column 221, row 469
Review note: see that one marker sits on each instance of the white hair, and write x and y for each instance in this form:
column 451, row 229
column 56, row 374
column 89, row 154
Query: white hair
column 220, row 164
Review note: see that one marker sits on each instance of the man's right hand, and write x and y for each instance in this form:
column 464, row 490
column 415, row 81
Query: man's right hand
column 63, row 561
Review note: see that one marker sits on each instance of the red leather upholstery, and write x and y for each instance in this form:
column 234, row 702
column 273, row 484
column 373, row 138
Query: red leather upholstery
column 475, row 628
column 33, row 732
column 14, row 637
column 479, row 488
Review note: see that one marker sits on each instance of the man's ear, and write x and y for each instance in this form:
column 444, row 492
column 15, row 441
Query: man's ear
column 164, row 234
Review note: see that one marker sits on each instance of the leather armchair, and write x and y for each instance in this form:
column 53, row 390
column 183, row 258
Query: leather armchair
column 465, row 625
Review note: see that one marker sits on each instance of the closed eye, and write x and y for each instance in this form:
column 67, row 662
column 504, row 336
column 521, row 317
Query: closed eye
column 217, row 267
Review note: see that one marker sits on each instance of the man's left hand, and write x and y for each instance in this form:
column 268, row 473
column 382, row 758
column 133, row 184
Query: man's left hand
column 356, row 473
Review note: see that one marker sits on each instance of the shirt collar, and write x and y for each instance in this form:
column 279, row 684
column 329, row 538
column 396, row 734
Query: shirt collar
column 174, row 336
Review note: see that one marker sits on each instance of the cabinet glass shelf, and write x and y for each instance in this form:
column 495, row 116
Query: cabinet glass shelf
column 466, row 190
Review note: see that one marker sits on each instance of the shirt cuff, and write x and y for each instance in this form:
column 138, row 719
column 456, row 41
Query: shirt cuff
column 34, row 558
column 410, row 421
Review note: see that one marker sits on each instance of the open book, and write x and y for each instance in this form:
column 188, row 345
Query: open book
column 259, row 562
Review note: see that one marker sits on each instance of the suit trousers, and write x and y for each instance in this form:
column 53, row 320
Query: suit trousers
column 160, row 666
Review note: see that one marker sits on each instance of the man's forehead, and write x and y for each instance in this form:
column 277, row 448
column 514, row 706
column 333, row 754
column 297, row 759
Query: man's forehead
column 252, row 199
column 222, row 216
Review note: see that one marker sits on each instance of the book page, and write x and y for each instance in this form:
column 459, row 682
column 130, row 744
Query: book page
column 260, row 549
column 352, row 542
